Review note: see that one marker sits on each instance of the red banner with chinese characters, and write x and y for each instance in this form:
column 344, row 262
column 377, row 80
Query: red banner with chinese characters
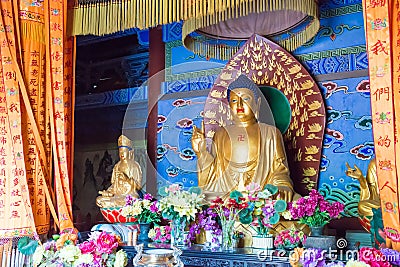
column 384, row 103
column 37, row 81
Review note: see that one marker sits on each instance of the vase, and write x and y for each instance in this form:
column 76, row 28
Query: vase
column 228, row 240
column 318, row 240
column 144, row 229
column 316, row 230
column 264, row 242
column 178, row 232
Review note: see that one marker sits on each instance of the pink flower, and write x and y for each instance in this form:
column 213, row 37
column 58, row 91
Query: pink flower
column 106, row 243
column 87, row 247
column 373, row 257
column 153, row 207
column 148, row 197
column 253, row 187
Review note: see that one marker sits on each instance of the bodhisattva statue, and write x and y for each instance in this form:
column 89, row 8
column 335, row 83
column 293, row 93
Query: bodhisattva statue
column 244, row 152
column 126, row 177
column 369, row 193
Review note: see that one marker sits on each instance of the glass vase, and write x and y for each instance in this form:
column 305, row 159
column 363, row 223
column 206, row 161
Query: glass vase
column 228, row 231
column 178, row 232
column 144, row 229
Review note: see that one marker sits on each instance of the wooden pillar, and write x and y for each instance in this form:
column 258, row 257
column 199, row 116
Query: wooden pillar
column 156, row 65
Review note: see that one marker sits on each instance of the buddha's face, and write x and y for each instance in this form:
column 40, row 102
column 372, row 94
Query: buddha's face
column 243, row 104
column 123, row 153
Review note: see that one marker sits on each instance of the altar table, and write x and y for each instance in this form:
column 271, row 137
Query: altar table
column 198, row 256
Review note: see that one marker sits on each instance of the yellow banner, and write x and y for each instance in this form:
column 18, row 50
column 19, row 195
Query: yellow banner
column 383, row 102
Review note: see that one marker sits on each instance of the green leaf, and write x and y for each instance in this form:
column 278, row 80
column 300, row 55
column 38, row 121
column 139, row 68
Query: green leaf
column 235, row 195
column 273, row 189
column 27, row 246
column 274, row 218
column 246, row 219
column 244, row 213
column 163, row 191
column 196, row 190
column 280, row 205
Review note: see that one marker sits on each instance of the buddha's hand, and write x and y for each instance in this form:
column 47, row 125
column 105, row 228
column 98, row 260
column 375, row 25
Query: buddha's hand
column 285, row 193
column 354, row 172
column 105, row 193
column 198, row 139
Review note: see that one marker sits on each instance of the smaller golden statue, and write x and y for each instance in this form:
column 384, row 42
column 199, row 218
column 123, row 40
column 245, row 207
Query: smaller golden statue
column 369, row 192
column 126, row 177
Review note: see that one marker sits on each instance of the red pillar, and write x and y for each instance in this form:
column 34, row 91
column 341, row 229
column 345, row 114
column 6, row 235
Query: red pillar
column 156, row 64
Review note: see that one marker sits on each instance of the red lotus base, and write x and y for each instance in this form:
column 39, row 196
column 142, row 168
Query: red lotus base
column 114, row 215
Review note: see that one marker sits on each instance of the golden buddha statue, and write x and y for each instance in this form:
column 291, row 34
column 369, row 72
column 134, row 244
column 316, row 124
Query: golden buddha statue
column 243, row 152
column 369, row 192
column 126, row 177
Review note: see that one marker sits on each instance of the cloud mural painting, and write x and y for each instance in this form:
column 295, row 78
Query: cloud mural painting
column 363, row 151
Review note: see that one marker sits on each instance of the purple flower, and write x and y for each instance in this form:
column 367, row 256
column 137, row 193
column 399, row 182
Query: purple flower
column 148, row 197
column 129, row 200
column 313, row 257
column 154, row 207
column 392, row 256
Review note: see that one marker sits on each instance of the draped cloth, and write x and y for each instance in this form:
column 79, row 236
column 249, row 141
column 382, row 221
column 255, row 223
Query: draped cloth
column 36, row 110
column 382, row 20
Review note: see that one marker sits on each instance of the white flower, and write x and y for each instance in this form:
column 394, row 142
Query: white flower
column 152, row 233
column 121, row 259
column 287, row 215
column 38, row 255
column 94, row 235
column 84, row 259
column 70, row 253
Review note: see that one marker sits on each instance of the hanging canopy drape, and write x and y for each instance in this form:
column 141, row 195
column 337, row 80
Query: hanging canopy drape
column 382, row 25
column 36, row 109
column 218, row 18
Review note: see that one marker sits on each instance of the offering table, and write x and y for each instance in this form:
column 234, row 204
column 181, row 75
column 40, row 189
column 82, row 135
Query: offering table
column 199, row 256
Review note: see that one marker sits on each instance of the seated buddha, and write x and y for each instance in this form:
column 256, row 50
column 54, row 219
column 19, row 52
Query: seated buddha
column 126, row 177
column 244, row 152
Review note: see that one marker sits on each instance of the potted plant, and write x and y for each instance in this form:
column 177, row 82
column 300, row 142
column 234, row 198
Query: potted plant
column 289, row 239
column 228, row 212
column 208, row 221
column 180, row 207
column 262, row 213
column 314, row 211
column 160, row 234
column 144, row 210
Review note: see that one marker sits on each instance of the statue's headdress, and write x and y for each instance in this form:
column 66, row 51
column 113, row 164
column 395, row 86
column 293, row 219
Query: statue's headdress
column 124, row 141
column 243, row 82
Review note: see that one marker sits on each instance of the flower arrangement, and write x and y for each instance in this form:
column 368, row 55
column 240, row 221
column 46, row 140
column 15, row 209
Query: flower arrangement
column 208, row 220
column 262, row 211
column 289, row 239
column 160, row 234
column 228, row 212
column 143, row 210
column 314, row 210
column 100, row 250
column 179, row 204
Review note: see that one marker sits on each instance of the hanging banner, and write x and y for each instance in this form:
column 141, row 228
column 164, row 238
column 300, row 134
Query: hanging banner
column 16, row 218
column 383, row 112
